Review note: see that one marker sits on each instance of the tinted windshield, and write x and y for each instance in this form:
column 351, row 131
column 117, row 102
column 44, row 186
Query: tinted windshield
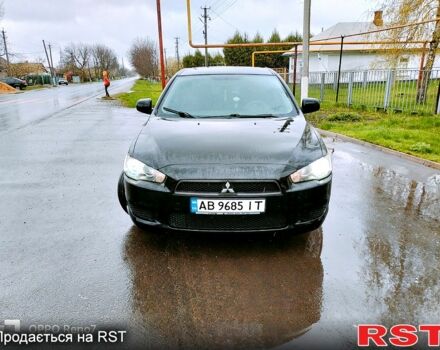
column 227, row 95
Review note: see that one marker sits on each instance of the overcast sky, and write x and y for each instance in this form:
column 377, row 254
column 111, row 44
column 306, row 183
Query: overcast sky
column 117, row 22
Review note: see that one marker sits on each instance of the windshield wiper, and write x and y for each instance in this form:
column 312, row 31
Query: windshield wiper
column 286, row 124
column 236, row 115
column 180, row 113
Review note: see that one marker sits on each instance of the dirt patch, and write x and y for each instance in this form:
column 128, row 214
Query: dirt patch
column 6, row 89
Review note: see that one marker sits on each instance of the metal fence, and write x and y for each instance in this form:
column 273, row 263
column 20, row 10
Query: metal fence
column 396, row 90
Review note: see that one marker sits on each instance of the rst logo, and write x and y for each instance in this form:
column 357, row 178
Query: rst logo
column 401, row 335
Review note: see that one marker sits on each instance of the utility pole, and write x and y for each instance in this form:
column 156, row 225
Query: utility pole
column 51, row 63
column 177, row 52
column 166, row 62
column 6, row 50
column 48, row 61
column 159, row 29
column 205, row 31
column 305, row 53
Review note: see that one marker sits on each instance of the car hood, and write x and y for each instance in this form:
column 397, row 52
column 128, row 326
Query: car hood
column 227, row 148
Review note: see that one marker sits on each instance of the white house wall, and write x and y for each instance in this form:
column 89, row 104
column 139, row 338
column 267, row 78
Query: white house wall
column 354, row 61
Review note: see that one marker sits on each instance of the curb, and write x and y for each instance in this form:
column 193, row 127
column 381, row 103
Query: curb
column 425, row 162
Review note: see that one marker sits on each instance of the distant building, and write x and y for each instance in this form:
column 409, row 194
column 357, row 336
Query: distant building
column 325, row 58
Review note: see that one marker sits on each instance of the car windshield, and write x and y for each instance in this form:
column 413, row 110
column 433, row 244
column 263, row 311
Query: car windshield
column 227, row 95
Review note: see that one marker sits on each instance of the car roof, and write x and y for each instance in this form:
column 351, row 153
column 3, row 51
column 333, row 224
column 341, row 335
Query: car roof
column 226, row 70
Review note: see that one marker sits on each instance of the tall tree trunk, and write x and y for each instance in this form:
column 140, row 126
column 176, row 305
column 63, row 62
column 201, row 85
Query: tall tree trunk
column 434, row 44
column 90, row 72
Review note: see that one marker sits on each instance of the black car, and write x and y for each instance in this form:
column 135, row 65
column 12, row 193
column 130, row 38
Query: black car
column 15, row 82
column 227, row 149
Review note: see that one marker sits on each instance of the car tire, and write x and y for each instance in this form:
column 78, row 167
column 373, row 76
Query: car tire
column 121, row 193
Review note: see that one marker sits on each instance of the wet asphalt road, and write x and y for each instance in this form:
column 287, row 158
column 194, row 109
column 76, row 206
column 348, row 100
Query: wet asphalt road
column 23, row 108
column 70, row 256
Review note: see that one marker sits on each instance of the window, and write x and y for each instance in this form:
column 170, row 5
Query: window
column 221, row 95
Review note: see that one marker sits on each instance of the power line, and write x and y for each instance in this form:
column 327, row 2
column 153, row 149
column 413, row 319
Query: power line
column 225, row 6
column 224, row 20
column 215, row 3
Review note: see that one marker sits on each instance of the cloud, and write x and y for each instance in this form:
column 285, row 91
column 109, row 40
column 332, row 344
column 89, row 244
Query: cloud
column 117, row 23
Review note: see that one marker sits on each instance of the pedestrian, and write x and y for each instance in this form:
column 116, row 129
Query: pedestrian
column 106, row 80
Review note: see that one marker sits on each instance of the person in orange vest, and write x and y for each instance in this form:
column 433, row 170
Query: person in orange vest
column 106, row 81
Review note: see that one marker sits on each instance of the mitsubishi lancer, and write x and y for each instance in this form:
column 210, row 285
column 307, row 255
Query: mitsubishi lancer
column 227, row 149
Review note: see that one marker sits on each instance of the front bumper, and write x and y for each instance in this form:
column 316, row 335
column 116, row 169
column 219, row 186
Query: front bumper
column 300, row 207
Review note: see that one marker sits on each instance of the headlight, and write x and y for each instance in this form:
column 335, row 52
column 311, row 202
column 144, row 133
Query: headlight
column 137, row 170
column 319, row 169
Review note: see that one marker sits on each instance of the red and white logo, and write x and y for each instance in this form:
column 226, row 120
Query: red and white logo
column 401, row 335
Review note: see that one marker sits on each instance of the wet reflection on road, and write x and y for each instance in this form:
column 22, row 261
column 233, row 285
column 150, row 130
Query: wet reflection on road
column 422, row 198
column 402, row 248
column 205, row 291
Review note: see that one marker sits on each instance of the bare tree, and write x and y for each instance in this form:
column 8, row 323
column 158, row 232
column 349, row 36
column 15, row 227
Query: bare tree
column 400, row 12
column 89, row 61
column 144, row 57
column 104, row 58
column 77, row 57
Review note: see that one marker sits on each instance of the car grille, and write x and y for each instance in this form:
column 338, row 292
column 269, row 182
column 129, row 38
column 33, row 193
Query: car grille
column 141, row 213
column 310, row 214
column 218, row 186
column 227, row 222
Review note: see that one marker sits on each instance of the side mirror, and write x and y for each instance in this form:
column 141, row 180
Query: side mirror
column 145, row 105
column 310, row 105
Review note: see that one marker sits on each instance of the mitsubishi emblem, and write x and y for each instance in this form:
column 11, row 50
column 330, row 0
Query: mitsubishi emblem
column 228, row 188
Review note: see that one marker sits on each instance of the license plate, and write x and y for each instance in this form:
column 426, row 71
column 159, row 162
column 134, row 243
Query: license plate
column 227, row 206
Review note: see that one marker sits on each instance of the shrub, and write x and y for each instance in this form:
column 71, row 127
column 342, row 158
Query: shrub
column 421, row 147
column 344, row 117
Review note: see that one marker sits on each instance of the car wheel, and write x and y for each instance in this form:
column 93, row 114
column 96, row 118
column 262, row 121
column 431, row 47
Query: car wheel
column 121, row 193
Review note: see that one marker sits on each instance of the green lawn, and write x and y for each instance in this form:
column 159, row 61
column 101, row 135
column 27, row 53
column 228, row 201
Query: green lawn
column 371, row 96
column 412, row 134
column 36, row 87
column 140, row 89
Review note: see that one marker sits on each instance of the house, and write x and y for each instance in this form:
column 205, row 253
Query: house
column 356, row 57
